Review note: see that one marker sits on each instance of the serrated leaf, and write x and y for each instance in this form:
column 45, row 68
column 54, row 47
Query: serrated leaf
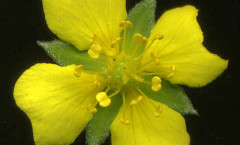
column 66, row 54
column 171, row 95
column 143, row 18
column 98, row 128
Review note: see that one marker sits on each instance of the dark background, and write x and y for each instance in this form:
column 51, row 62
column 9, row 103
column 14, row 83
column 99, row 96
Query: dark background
column 22, row 24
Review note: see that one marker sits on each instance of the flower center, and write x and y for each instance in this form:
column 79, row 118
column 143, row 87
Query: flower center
column 122, row 71
column 125, row 70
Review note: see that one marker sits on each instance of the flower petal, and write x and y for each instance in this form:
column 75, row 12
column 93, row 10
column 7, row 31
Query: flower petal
column 182, row 49
column 146, row 129
column 77, row 21
column 56, row 101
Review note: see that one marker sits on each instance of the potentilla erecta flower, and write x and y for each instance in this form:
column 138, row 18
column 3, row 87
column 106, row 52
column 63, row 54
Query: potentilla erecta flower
column 61, row 100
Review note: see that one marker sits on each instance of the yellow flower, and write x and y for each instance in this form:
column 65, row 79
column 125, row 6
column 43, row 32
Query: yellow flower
column 60, row 101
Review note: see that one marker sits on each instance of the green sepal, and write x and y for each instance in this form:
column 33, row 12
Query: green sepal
column 171, row 95
column 66, row 54
column 142, row 17
column 98, row 128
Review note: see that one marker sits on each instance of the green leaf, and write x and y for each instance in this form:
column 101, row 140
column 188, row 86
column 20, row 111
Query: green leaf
column 66, row 54
column 98, row 128
column 171, row 95
column 143, row 18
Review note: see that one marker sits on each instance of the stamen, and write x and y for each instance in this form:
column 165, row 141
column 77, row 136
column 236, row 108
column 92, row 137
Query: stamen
column 124, row 121
column 78, row 70
column 93, row 39
column 103, row 99
column 91, row 108
column 135, row 101
column 156, row 83
column 116, row 42
column 139, row 39
column 159, row 110
column 154, row 56
column 96, row 82
column 126, row 24
column 115, row 93
column 172, row 72
column 158, row 37
column 94, row 51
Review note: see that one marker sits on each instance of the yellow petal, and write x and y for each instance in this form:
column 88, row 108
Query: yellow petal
column 181, row 47
column 80, row 22
column 56, row 101
column 138, row 125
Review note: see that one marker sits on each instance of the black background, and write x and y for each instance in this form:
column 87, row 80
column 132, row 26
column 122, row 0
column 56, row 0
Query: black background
column 22, row 24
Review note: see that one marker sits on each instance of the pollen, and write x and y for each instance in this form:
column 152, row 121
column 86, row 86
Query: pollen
column 103, row 99
column 94, row 51
column 156, row 83
column 78, row 70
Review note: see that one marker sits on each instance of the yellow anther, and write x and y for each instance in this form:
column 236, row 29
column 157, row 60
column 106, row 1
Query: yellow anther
column 156, row 80
column 127, row 24
column 124, row 121
column 172, row 68
column 170, row 75
column 135, row 101
column 144, row 41
column 91, row 108
column 154, row 56
column 94, row 51
column 96, row 82
column 122, row 24
column 78, row 70
column 116, row 42
column 156, row 83
column 159, row 110
column 103, row 99
column 139, row 39
column 172, row 71
column 158, row 37
column 93, row 39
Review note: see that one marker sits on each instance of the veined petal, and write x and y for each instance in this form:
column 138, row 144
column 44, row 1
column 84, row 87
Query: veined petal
column 146, row 129
column 56, row 101
column 182, row 57
column 77, row 21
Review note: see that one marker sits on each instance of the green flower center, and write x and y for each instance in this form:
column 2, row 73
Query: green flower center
column 124, row 70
